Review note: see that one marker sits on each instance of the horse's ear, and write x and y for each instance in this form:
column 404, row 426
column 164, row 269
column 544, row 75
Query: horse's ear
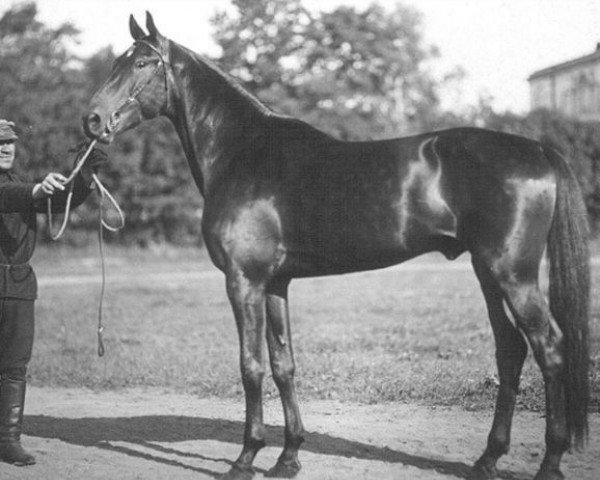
column 154, row 33
column 136, row 31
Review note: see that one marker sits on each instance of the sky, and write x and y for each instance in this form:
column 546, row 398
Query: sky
column 498, row 43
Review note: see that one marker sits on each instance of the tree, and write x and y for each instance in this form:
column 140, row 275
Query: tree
column 41, row 88
column 356, row 74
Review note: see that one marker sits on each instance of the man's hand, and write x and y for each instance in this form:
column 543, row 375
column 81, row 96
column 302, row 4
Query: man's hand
column 48, row 186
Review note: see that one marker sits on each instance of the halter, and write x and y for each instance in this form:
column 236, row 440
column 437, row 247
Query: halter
column 113, row 121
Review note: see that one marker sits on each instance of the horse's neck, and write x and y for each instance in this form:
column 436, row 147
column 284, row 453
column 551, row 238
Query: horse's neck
column 213, row 118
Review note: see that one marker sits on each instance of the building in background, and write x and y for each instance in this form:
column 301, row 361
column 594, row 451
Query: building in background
column 572, row 87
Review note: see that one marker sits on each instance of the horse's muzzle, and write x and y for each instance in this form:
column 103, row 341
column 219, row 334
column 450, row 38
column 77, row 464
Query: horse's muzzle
column 92, row 125
column 95, row 128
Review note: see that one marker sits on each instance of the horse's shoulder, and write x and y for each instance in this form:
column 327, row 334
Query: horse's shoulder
column 249, row 232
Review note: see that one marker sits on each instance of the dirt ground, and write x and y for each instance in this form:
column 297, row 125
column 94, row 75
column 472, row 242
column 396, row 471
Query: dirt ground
column 151, row 434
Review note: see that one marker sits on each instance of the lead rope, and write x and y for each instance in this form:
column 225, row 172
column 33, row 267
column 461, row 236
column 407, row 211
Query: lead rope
column 103, row 193
column 69, row 180
column 102, row 224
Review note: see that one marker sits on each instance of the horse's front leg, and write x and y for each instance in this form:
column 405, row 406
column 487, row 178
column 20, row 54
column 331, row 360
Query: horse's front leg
column 279, row 339
column 248, row 302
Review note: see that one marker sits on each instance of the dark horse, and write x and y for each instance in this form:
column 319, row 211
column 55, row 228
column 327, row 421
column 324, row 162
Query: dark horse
column 284, row 200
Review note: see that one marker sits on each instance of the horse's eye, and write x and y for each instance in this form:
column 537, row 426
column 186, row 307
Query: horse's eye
column 140, row 64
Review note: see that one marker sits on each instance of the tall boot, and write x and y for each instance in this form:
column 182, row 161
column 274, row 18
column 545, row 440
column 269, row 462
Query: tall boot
column 12, row 400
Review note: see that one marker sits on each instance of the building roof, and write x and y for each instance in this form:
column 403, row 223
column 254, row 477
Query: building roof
column 545, row 72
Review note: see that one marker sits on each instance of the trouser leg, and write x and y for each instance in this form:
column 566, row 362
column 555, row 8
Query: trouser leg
column 16, row 341
column 16, row 336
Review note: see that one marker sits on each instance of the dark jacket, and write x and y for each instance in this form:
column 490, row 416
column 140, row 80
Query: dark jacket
column 18, row 227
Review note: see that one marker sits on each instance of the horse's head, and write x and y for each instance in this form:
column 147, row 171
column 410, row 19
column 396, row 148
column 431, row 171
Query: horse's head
column 137, row 88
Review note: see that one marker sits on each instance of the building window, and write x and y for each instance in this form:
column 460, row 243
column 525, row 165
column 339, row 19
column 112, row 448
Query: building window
column 585, row 94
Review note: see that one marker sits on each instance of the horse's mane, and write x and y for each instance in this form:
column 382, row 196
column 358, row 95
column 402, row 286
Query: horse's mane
column 235, row 84
column 230, row 80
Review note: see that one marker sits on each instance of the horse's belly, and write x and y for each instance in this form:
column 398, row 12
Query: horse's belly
column 349, row 249
column 339, row 241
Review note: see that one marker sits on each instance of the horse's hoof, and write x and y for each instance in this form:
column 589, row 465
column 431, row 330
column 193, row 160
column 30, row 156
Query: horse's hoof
column 238, row 472
column 284, row 469
column 544, row 474
column 480, row 471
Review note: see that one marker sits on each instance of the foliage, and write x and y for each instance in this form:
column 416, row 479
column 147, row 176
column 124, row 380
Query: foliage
column 356, row 74
column 40, row 86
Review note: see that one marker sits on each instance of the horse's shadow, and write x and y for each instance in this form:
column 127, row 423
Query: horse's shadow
column 144, row 430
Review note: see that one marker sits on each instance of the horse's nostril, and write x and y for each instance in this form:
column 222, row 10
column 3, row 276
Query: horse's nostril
column 93, row 121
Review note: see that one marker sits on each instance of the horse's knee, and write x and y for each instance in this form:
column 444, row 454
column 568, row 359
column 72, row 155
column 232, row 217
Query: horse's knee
column 253, row 372
column 283, row 369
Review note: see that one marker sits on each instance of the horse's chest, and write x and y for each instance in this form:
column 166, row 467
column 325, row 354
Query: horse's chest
column 246, row 236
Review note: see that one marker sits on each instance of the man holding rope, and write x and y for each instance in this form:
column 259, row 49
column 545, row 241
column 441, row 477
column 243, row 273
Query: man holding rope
column 20, row 201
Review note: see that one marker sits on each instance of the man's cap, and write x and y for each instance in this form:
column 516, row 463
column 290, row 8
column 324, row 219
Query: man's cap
column 7, row 130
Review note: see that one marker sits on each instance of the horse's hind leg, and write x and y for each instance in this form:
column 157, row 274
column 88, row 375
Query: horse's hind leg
column 518, row 280
column 547, row 343
column 248, row 301
column 279, row 340
column 511, row 351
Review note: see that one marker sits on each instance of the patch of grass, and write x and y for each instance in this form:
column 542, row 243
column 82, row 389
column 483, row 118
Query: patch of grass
column 395, row 335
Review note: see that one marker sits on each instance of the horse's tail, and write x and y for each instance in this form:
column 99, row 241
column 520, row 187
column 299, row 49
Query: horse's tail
column 569, row 291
